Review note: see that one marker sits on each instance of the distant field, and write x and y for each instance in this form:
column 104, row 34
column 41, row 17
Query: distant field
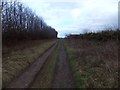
column 93, row 64
column 16, row 58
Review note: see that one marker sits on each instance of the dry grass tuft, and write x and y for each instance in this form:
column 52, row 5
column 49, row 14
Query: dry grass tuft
column 17, row 60
column 94, row 64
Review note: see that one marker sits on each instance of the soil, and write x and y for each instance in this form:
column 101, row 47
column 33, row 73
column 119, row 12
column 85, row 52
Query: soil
column 24, row 80
column 63, row 76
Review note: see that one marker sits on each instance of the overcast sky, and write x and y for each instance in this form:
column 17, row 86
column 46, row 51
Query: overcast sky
column 76, row 15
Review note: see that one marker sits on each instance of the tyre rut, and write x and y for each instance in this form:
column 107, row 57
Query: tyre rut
column 28, row 76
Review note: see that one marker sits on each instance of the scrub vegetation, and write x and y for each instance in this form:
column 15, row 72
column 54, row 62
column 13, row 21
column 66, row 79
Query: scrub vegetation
column 94, row 59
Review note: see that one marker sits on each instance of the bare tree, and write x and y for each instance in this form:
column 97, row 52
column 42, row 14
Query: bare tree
column 20, row 22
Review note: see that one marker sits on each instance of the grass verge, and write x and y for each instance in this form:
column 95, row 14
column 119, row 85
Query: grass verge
column 45, row 76
column 93, row 64
column 16, row 61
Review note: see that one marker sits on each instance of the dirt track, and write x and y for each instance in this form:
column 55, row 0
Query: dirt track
column 28, row 76
column 62, row 76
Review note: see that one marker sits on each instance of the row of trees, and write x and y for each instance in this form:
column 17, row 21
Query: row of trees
column 21, row 23
column 99, row 36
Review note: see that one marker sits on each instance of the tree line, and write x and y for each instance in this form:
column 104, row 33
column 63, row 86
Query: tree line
column 21, row 23
column 98, row 36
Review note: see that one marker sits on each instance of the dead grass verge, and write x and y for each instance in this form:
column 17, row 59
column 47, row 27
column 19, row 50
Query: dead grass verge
column 94, row 64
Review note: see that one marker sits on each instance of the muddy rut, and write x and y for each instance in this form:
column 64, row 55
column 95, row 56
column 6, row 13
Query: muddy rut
column 62, row 75
column 28, row 76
